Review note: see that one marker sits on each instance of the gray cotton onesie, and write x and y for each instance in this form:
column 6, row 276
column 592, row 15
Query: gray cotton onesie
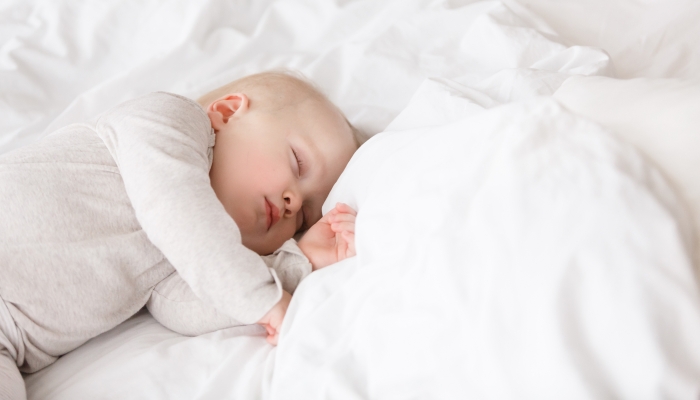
column 98, row 220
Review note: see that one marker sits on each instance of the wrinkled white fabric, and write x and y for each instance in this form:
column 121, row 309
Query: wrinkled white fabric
column 141, row 359
column 658, row 116
column 369, row 56
column 520, row 252
column 651, row 39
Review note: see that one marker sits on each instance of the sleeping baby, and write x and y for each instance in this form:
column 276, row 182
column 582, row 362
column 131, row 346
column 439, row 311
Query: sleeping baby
column 190, row 209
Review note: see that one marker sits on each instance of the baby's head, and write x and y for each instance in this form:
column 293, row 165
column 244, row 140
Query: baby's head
column 280, row 147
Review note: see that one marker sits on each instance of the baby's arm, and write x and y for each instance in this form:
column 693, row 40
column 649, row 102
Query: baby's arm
column 175, row 306
column 332, row 239
column 160, row 143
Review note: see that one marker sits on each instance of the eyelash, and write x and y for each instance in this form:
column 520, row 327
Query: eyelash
column 300, row 162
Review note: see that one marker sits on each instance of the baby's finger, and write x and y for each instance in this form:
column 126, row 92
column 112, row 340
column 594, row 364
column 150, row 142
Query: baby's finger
column 342, row 207
column 270, row 330
column 329, row 215
column 343, row 226
column 350, row 240
column 272, row 339
column 342, row 217
column 341, row 246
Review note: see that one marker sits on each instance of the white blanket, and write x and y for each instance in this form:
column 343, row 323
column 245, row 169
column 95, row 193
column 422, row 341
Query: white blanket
column 520, row 252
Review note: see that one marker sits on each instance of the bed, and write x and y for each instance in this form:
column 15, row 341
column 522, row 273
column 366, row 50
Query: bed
column 528, row 198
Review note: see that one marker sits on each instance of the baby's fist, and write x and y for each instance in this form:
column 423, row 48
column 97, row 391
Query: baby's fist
column 272, row 321
column 332, row 238
column 342, row 220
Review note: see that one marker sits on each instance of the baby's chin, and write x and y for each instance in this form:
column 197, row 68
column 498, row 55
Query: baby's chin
column 263, row 245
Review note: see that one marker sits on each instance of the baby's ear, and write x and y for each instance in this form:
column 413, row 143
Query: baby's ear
column 221, row 110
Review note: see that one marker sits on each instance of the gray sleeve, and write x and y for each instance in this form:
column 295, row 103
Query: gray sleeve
column 290, row 264
column 176, row 307
column 160, row 143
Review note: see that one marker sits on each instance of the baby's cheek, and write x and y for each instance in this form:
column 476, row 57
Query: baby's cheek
column 272, row 240
column 287, row 229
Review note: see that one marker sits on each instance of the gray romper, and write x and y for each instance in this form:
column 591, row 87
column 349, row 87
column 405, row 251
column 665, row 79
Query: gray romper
column 98, row 220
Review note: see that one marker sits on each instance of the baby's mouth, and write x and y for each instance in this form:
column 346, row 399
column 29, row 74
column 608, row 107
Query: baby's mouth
column 273, row 213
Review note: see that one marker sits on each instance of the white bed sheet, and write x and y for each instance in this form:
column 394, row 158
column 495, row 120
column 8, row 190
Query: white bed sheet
column 64, row 61
column 645, row 38
column 141, row 359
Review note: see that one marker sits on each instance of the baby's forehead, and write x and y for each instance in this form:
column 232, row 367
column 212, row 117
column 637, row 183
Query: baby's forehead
column 330, row 130
column 326, row 132
column 310, row 112
column 320, row 113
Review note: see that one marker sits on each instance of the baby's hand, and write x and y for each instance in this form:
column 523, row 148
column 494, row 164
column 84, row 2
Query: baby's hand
column 272, row 321
column 332, row 238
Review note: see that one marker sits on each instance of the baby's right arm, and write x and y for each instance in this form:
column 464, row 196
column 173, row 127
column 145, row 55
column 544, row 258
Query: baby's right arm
column 175, row 306
column 330, row 240
column 161, row 143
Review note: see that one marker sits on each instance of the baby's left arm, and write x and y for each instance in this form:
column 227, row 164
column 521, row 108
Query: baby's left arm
column 332, row 238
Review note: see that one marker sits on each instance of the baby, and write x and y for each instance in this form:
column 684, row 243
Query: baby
column 187, row 208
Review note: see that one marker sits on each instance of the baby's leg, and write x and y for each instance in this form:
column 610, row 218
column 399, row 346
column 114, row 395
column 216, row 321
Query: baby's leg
column 11, row 382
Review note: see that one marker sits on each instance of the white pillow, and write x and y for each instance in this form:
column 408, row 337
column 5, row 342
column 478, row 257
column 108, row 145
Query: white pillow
column 661, row 117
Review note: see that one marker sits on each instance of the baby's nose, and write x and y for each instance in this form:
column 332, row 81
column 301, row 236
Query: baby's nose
column 291, row 204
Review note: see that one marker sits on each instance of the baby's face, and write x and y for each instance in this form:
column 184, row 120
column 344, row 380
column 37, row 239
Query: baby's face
column 272, row 171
